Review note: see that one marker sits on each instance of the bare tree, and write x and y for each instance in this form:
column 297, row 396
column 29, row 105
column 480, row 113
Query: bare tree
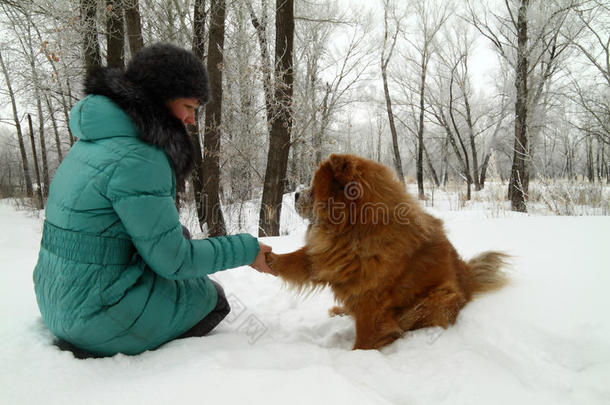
column 53, row 58
column 593, row 97
column 385, row 60
column 281, row 125
column 198, row 175
column 134, row 25
column 167, row 20
column 327, row 79
column 213, row 121
column 529, row 38
column 260, row 25
column 440, row 113
column 24, row 159
column 244, row 112
column 464, row 121
column 91, row 45
column 431, row 16
column 51, row 112
column 11, row 176
column 36, row 169
column 30, row 27
column 115, row 34
column 519, row 175
column 27, row 45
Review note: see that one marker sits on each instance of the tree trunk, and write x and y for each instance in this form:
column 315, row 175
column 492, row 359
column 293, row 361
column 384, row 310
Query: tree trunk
column 519, row 178
column 115, row 34
column 484, row 167
column 36, row 169
column 198, row 174
column 451, row 141
column 24, row 158
column 420, row 130
column 465, row 160
column 388, row 103
column 473, row 146
column 38, row 96
column 66, row 108
column 431, row 168
column 213, row 121
column 385, row 60
column 605, row 165
column 60, row 155
column 260, row 25
column 134, row 25
column 590, row 169
column 43, row 149
column 199, row 16
column 52, row 58
column 598, row 152
column 91, row 45
column 318, row 134
column 281, row 126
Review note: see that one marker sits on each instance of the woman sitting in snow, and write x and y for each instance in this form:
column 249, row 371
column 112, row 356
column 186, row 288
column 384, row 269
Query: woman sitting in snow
column 115, row 272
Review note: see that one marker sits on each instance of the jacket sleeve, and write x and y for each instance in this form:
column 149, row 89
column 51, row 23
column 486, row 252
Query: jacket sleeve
column 141, row 193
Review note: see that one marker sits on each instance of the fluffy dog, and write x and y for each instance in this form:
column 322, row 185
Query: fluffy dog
column 388, row 263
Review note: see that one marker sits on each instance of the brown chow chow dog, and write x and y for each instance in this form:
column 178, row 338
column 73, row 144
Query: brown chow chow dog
column 388, row 263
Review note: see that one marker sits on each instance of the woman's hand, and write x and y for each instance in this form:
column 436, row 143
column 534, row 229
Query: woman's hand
column 260, row 264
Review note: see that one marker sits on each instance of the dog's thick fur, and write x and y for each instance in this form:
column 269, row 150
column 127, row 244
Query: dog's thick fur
column 388, row 263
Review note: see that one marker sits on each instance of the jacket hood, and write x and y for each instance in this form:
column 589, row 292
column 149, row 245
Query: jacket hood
column 98, row 117
column 151, row 119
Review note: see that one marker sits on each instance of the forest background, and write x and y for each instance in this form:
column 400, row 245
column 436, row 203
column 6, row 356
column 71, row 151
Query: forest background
column 448, row 93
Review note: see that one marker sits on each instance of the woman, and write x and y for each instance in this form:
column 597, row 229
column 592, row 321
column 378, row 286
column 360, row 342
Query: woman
column 115, row 271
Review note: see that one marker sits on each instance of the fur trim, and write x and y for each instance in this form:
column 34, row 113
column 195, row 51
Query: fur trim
column 156, row 124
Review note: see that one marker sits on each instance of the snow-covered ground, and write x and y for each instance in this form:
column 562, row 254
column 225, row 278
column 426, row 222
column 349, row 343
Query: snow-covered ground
column 544, row 339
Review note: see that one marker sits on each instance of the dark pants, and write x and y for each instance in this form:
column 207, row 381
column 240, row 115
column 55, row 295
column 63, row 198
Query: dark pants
column 211, row 320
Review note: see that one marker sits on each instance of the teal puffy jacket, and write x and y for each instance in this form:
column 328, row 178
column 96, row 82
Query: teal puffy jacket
column 115, row 273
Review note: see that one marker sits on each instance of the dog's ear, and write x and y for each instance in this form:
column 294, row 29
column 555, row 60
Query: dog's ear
column 322, row 181
column 343, row 167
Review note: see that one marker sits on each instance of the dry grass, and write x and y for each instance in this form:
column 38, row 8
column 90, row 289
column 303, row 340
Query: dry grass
column 563, row 197
column 546, row 197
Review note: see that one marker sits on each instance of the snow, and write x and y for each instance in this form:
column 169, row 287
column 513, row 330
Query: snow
column 544, row 339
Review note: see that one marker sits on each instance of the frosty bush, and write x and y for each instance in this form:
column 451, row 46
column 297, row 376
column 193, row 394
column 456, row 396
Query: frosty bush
column 571, row 198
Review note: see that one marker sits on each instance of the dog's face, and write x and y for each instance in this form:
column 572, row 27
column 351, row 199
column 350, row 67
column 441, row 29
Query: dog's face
column 350, row 191
column 303, row 203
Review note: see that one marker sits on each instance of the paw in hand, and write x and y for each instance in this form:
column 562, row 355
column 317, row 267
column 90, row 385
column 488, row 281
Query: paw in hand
column 270, row 258
column 260, row 263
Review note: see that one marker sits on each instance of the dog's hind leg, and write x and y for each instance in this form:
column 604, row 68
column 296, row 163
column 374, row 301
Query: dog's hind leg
column 439, row 308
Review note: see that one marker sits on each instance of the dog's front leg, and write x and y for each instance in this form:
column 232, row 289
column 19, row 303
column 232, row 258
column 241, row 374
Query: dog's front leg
column 365, row 332
column 375, row 329
column 293, row 267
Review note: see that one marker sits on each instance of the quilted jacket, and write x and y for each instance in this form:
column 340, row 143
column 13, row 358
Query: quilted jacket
column 115, row 273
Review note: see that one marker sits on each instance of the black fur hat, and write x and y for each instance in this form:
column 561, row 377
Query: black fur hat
column 154, row 75
column 165, row 71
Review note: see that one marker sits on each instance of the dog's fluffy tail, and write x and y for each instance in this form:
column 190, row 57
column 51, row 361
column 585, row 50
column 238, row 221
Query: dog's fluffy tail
column 485, row 272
